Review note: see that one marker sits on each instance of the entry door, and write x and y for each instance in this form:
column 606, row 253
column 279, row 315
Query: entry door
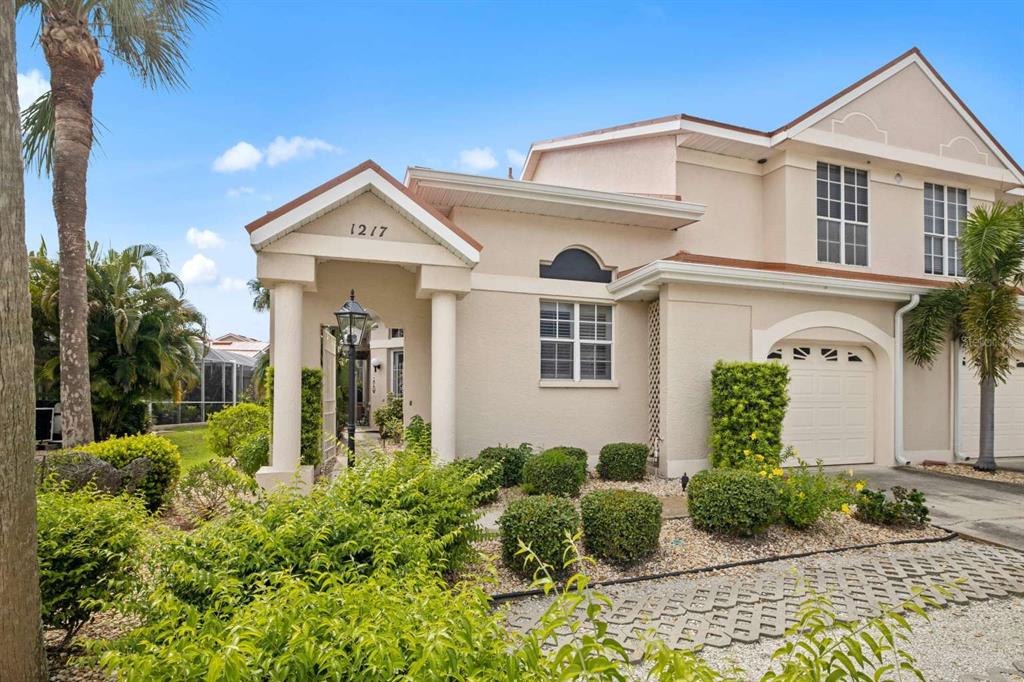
column 329, row 400
column 831, row 402
column 1009, row 432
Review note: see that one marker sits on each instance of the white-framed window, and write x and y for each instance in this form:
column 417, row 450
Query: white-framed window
column 945, row 210
column 397, row 371
column 842, row 211
column 396, row 333
column 575, row 341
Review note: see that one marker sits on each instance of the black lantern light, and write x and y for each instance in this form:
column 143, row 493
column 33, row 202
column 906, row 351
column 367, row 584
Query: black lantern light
column 353, row 323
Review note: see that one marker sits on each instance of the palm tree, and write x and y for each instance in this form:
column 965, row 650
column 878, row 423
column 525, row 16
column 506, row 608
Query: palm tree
column 982, row 311
column 148, row 37
column 260, row 296
column 21, row 633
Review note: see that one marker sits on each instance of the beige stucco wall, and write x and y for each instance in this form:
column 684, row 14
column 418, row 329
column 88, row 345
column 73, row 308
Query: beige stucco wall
column 642, row 166
column 928, row 408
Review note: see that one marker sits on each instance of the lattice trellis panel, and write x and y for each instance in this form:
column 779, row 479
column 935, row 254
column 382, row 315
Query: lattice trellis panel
column 654, row 379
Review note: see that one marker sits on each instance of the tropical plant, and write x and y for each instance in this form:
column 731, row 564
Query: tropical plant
column 21, row 636
column 145, row 337
column 982, row 311
column 207, row 490
column 148, row 37
column 260, row 296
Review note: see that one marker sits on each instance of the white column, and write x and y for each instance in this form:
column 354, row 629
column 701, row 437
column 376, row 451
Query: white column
column 442, row 374
column 287, row 417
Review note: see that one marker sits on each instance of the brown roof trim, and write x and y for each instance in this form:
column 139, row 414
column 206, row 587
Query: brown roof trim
column 369, row 164
column 794, row 269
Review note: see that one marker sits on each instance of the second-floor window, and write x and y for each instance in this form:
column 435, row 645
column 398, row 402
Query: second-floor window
column 842, row 214
column 945, row 210
column 575, row 341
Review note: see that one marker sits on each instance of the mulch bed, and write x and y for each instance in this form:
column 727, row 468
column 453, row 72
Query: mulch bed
column 967, row 471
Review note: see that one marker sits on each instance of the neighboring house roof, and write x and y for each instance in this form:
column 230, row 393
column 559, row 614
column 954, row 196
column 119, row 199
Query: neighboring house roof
column 231, row 337
column 216, row 355
column 680, row 123
column 317, row 201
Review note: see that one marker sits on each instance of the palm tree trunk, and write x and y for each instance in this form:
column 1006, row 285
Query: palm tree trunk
column 986, row 439
column 74, row 59
column 21, row 634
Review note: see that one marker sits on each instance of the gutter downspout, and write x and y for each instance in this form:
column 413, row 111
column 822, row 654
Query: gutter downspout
column 898, row 381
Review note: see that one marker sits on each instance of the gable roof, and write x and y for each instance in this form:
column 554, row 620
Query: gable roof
column 679, row 123
column 367, row 175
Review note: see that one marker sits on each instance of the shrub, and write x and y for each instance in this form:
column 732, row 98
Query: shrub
column 553, row 473
column 164, row 457
column 388, row 418
column 487, row 479
column 906, row 508
column 88, row 553
column 621, row 526
column 578, row 454
column 733, row 501
column 312, row 411
column 623, row 462
column 541, row 523
column 253, row 453
column 512, row 461
column 748, row 404
column 228, row 428
column 807, row 494
column 417, row 436
column 207, row 490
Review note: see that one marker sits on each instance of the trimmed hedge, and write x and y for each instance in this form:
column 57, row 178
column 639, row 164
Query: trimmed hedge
column 621, row 526
column 312, row 411
column 733, row 501
column 542, row 523
column 511, row 460
column 164, row 457
column 623, row 461
column 553, row 473
column 229, row 428
column 578, row 454
column 748, row 404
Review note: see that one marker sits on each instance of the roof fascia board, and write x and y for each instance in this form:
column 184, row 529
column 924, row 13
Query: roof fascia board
column 665, row 272
column 368, row 178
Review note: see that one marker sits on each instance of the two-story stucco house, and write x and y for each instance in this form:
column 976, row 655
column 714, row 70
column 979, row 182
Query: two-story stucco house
column 586, row 302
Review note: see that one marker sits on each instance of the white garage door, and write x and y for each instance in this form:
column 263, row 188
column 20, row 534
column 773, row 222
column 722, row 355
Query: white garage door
column 1009, row 412
column 831, row 402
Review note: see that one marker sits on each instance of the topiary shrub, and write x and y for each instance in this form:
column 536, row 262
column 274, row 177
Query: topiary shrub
column 388, row 418
column 511, row 460
column 312, row 411
column 542, row 523
column 253, row 453
column 208, row 489
column 623, row 462
column 227, row 429
column 748, row 404
column 163, row 455
column 578, row 454
column 88, row 545
column 733, row 501
column 621, row 526
column 553, row 473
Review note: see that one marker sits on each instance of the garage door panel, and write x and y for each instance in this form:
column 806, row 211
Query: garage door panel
column 825, row 417
column 830, row 386
column 1009, row 412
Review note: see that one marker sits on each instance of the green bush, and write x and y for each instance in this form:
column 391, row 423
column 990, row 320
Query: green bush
column 253, row 453
column 88, row 553
column 228, row 428
column 906, row 508
column 733, row 501
column 312, row 411
column 553, row 473
column 487, row 471
column 808, row 493
column 164, row 457
column 542, row 523
column 748, row 404
column 511, row 460
column 578, row 454
column 623, row 462
column 621, row 526
column 208, row 489
column 417, row 436
column 388, row 418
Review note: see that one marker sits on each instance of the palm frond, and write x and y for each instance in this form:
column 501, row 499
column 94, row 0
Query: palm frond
column 993, row 328
column 991, row 243
column 929, row 324
column 37, row 128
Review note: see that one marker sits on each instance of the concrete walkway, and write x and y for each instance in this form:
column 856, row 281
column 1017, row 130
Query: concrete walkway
column 992, row 513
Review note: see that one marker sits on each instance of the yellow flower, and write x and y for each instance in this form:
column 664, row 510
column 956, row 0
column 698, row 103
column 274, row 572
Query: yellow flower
column 800, row 494
column 753, row 436
column 845, row 508
column 776, row 471
column 859, row 486
column 759, row 458
column 762, row 472
column 746, row 453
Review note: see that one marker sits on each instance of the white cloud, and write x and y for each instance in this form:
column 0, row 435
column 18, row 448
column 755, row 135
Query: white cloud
column 30, row 86
column 204, row 239
column 236, row 192
column 243, row 156
column 285, row 149
column 515, row 157
column 199, row 270
column 477, row 159
column 232, row 284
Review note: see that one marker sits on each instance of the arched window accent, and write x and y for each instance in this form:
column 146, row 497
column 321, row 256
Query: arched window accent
column 577, row 264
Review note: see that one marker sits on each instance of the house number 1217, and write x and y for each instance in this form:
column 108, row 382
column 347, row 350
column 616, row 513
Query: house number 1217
column 361, row 230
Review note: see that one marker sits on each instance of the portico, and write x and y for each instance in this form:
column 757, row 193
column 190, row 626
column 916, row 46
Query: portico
column 408, row 263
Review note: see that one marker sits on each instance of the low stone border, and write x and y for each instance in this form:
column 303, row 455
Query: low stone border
column 937, row 471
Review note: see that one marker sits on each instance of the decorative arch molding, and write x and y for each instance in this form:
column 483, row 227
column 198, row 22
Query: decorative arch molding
column 763, row 339
column 963, row 148
column 577, row 262
column 856, row 127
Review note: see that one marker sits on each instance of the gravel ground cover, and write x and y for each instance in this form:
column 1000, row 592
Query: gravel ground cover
column 967, row 471
column 685, row 547
column 63, row 667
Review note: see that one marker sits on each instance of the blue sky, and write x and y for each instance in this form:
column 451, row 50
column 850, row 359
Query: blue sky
column 313, row 88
